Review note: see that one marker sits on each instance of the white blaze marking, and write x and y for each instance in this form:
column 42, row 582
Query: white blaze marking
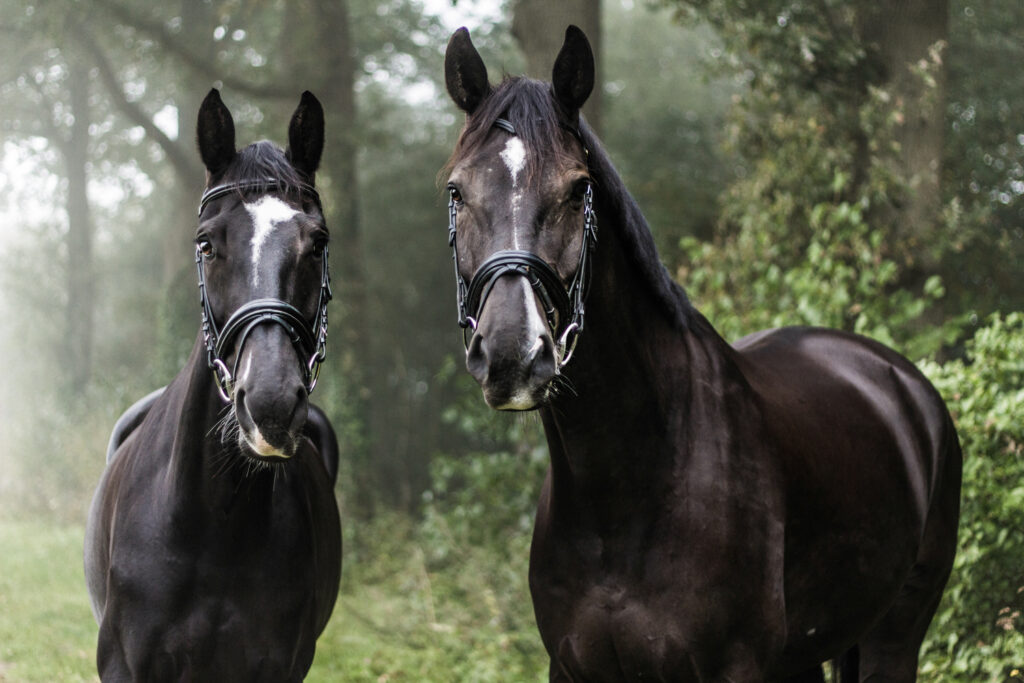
column 265, row 213
column 246, row 369
column 536, row 326
column 514, row 156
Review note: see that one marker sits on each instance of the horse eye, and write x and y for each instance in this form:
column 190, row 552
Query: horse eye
column 456, row 195
column 319, row 248
column 579, row 189
column 205, row 247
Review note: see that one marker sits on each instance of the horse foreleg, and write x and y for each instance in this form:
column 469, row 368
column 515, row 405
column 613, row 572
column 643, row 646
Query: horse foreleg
column 813, row 675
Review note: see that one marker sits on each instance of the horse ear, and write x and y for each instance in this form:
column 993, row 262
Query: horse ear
column 215, row 133
column 464, row 72
column 306, row 135
column 573, row 74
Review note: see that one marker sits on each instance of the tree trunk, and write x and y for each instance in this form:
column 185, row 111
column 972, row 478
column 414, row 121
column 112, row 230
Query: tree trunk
column 80, row 277
column 539, row 27
column 179, row 312
column 353, row 352
column 905, row 34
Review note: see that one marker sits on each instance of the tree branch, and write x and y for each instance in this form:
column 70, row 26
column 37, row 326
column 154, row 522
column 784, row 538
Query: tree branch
column 200, row 66
column 52, row 132
column 176, row 154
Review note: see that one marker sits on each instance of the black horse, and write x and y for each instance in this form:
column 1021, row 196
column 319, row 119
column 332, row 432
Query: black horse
column 712, row 512
column 213, row 546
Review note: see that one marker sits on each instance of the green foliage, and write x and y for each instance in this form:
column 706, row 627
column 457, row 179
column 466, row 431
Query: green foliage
column 809, row 233
column 983, row 161
column 804, row 243
column 477, row 522
column 978, row 632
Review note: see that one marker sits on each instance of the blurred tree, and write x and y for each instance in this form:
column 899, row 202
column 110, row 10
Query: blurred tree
column 908, row 39
column 663, row 120
column 845, row 104
column 983, row 166
column 836, row 52
column 48, row 94
column 841, row 142
column 81, row 289
column 539, row 27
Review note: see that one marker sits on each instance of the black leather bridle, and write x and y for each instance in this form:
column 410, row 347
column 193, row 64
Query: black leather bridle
column 310, row 340
column 563, row 308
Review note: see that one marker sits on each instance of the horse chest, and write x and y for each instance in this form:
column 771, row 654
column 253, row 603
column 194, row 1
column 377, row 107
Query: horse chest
column 656, row 597
column 614, row 633
column 196, row 596
column 202, row 620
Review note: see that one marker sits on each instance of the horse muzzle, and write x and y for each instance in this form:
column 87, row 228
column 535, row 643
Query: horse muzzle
column 512, row 354
column 270, row 396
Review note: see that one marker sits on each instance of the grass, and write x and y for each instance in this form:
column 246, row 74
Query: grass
column 47, row 632
column 395, row 619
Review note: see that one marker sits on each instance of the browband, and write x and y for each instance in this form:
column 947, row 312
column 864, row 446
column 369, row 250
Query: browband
column 218, row 191
column 507, row 126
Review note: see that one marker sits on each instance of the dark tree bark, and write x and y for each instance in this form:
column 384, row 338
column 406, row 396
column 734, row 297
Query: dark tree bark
column 903, row 34
column 539, row 27
column 352, row 348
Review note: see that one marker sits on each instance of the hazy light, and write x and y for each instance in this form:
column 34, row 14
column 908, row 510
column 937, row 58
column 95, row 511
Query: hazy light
column 167, row 120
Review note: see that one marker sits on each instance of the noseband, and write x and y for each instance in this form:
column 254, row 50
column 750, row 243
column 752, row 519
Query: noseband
column 309, row 340
column 562, row 308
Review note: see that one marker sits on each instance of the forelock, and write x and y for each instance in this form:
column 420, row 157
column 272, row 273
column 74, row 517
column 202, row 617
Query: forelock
column 530, row 107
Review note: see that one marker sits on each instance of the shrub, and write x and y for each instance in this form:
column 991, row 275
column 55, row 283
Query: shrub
column 978, row 632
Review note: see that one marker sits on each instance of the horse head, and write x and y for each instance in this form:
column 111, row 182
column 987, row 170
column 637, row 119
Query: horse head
column 261, row 255
column 521, row 219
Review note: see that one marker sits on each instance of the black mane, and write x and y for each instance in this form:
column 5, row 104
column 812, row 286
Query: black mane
column 634, row 231
column 531, row 108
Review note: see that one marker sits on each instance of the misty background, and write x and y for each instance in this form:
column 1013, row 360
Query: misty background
column 825, row 162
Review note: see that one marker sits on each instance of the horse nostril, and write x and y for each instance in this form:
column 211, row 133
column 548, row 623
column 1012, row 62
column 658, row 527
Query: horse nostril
column 300, row 411
column 541, row 359
column 476, row 357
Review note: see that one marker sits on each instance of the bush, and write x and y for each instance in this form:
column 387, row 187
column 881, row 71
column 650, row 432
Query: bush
column 978, row 632
column 476, row 531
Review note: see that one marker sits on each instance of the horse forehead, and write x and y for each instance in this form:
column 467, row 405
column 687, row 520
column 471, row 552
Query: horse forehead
column 266, row 213
column 514, row 156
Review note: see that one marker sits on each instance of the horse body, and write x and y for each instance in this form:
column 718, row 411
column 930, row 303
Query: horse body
column 872, row 467
column 728, row 513
column 213, row 545
column 220, row 573
column 712, row 512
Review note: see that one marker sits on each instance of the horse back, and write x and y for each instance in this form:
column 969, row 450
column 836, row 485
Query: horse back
column 845, row 411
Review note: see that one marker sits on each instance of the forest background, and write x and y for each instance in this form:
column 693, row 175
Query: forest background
column 844, row 163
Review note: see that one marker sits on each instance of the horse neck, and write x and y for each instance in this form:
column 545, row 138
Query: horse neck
column 640, row 378
column 198, row 466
